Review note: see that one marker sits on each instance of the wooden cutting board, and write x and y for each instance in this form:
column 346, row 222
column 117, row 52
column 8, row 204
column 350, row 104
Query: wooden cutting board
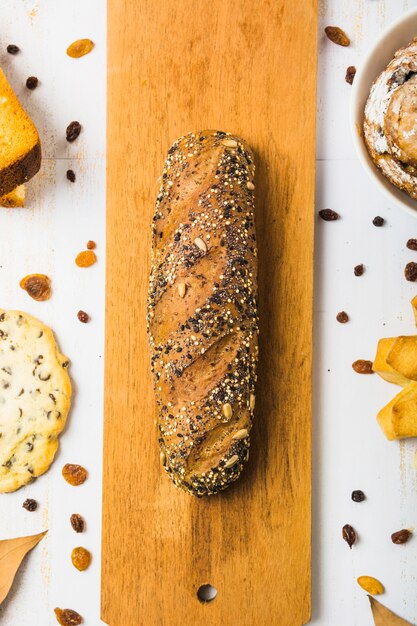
column 249, row 68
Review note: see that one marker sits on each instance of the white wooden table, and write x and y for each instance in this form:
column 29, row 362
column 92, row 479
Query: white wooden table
column 349, row 450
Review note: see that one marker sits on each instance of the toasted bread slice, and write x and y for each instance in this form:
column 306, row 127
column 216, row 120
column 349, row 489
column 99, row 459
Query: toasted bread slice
column 20, row 148
column 15, row 198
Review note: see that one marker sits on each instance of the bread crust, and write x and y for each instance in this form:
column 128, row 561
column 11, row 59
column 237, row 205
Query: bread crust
column 21, row 170
column 202, row 310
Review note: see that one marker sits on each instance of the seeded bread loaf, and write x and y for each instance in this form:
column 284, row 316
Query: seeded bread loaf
column 20, row 148
column 202, row 310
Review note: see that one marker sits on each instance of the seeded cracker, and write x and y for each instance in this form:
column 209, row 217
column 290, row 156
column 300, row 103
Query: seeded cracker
column 35, row 398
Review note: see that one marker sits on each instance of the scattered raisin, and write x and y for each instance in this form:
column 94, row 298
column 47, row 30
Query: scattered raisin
column 328, row 215
column 410, row 272
column 358, row 270
column 71, row 176
column 85, row 258
column 68, row 617
column 337, row 35
column 412, row 244
column 32, row 82
column 38, row 286
column 349, row 535
column 73, row 130
column 77, row 523
column 342, row 317
column 378, row 221
column 30, row 505
column 74, row 474
column 81, row 558
column 12, row 49
column 358, row 496
column 350, row 74
column 362, row 367
column 401, row 536
column 91, row 245
column 83, row 317
column 79, row 48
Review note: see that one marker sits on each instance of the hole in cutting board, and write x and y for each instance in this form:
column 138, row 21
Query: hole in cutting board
column 206, row 593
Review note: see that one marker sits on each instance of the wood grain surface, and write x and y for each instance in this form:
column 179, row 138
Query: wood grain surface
column 248, row 68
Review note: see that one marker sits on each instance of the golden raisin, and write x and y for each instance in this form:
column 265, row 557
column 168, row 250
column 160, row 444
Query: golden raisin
column 91, row 245
column 337, row 35
column 86, row 258
column 81, row 558
column 38, row 286
column 74, row 474
column 67, row 617
column 79, row 48
column 371, row 585
column 362, row 367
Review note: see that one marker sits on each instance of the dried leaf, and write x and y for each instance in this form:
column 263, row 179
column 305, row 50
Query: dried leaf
column 12, row 553
column 383, row 616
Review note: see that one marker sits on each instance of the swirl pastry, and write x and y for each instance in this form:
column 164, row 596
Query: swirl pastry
column 390, row 121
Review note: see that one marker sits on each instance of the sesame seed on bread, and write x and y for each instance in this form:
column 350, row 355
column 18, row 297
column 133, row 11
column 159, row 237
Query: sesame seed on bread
column 20, row 148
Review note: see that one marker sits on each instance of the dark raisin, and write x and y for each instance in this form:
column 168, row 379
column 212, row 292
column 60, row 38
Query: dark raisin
column 328, row 215
column 12, row 49
column 83, row 317
column 378, row 221
column 349, row 535
column 32, row 82
column 77, row 523
column 358, row 270
column 358, row 496
column 350, row 74
column 30, row 505
column 410, row 272
column 401, row 536
column 71, row 176
column 412, row 244
column 362, row 367
column 73, row 130
column 342, row 317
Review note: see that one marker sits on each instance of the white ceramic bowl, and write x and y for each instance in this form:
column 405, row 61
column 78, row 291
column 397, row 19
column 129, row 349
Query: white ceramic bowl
column 397, row 35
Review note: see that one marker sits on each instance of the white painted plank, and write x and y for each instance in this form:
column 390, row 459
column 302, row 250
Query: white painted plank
column 61, row 217
column 350, row 451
